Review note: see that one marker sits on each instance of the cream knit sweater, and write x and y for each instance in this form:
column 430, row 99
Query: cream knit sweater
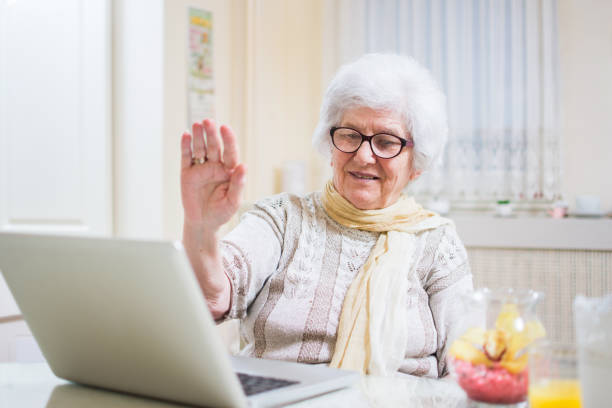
column 291, row 265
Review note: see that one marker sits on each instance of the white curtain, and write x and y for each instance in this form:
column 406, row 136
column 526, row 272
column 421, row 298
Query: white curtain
column 497, row 61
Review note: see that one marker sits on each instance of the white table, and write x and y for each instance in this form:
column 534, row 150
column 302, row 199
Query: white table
column 35, row 386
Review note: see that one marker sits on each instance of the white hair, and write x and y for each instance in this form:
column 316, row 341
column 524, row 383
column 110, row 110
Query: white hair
column 392, row 83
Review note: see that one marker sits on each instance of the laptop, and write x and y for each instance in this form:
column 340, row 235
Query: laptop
column 129, row 316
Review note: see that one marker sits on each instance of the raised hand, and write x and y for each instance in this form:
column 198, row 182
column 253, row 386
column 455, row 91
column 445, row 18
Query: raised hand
column 212, row 177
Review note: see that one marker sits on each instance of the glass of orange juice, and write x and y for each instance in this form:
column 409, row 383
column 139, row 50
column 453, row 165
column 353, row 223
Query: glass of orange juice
column 553, row 376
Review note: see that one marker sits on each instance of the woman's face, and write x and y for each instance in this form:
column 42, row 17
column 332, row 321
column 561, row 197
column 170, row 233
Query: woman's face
column 364, row 179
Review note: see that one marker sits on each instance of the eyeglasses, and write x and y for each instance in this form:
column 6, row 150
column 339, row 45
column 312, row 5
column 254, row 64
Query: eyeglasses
column 383, row 145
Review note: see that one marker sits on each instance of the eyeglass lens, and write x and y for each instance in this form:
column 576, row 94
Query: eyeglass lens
column 383, row 145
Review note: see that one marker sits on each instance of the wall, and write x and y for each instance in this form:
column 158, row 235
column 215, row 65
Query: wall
column 267, row 56
column 138, row 64
column 229, row 75
column 150, row 105
column 585, row 37
column 283, row 90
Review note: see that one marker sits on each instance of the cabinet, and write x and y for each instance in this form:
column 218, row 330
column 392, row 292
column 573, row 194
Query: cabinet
column 55, row 130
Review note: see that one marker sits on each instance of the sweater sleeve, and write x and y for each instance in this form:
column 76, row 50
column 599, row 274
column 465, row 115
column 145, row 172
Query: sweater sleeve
column 251, row 252
column 449, row 278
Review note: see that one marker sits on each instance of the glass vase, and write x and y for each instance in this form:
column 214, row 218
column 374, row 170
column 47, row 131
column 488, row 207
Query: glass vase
column 488, row 358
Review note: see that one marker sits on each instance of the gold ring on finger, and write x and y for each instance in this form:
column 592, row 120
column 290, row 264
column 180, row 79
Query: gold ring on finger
column 198, row 160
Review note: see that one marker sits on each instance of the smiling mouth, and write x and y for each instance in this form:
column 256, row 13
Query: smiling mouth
column 363, row 176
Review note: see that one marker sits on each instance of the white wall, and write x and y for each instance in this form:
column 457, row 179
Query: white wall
column 267, row 56
column 284, row 91
column 586, row 100
column 150, row 105
column 138, row 62
column 229, row 75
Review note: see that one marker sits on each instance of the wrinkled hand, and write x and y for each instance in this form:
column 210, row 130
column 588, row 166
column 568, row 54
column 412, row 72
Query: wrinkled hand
column 210, row 188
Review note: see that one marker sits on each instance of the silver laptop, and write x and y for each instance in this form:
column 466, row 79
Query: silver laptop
column 129, row 315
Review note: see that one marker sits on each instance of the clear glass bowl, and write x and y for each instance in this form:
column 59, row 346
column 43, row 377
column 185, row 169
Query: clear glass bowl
column 488, row 358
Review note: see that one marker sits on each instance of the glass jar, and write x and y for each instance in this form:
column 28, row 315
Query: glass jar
column 489, row 356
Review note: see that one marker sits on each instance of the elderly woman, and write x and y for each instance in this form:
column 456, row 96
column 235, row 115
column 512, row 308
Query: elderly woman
column 358, row 276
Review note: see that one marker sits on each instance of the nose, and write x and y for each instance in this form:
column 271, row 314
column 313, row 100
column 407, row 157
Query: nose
column 365, row 154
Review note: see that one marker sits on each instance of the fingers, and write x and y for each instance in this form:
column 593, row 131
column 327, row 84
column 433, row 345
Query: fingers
column 230, row 148
column 199, row 147
column 236, row 184
column 211, row 146
column 213, row 142
column 185, row 150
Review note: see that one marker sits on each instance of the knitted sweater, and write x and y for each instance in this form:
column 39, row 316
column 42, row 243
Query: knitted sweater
column 291, row 265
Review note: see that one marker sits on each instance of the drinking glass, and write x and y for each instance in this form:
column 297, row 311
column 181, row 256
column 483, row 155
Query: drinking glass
column 593, row 318
column 553, row 376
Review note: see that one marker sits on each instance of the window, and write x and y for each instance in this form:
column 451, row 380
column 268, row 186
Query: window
column 497, row 61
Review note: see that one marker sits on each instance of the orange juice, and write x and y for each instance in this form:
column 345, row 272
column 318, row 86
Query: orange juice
column 555, row 394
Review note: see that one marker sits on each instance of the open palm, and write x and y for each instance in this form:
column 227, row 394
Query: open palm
column 210, row 188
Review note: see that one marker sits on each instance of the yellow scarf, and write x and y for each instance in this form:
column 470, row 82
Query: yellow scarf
column 373, row 333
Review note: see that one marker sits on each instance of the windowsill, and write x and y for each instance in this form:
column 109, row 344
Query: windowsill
column 522, row 230
column 529, row 231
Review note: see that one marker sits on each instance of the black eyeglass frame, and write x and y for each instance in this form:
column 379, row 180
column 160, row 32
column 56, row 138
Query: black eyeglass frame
column 403, row 142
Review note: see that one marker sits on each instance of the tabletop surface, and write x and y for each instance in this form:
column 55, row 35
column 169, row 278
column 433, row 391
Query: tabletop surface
column 34, row 385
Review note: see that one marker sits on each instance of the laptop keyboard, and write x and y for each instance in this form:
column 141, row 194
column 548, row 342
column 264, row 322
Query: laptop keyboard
column 254, row 384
